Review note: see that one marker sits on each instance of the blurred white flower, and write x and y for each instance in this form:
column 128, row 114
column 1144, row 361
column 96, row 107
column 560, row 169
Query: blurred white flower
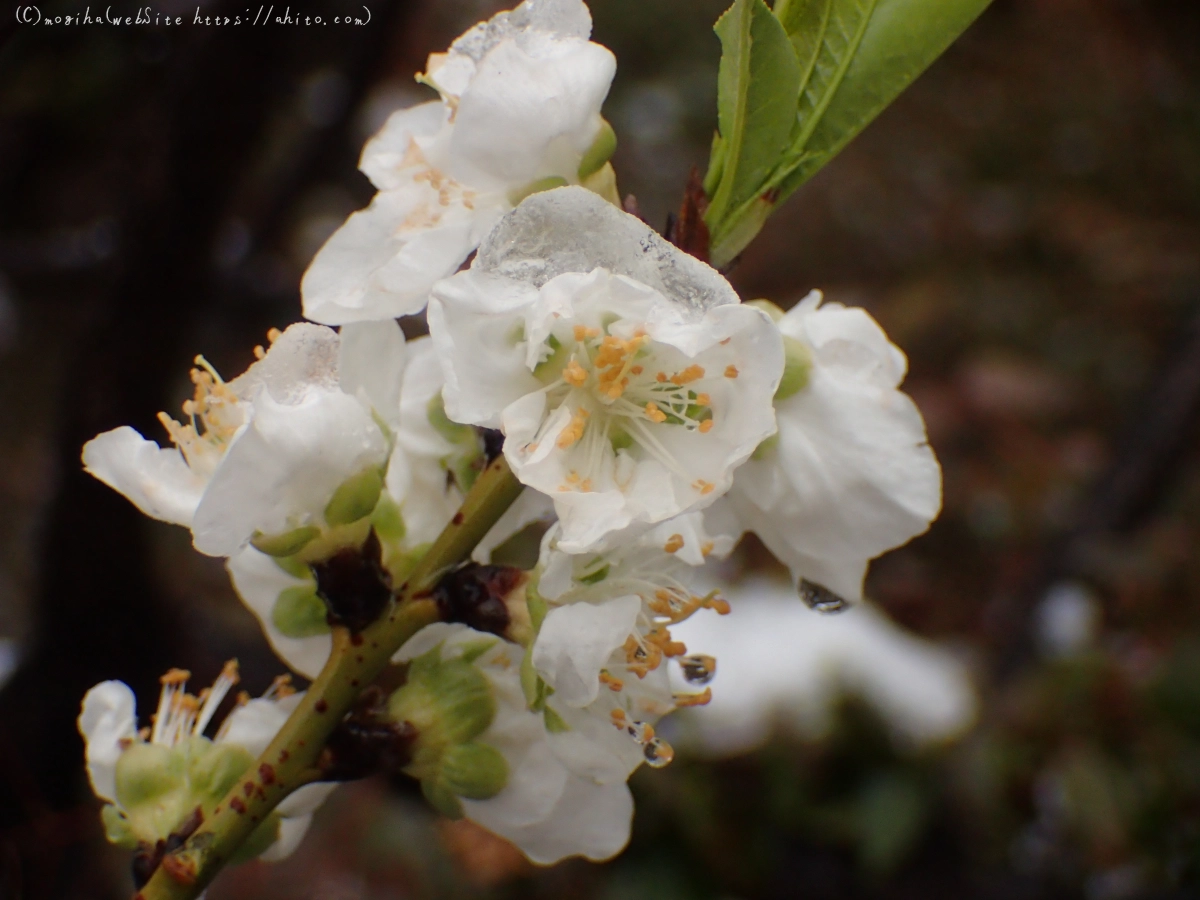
column 291, row 450
column 783, row 664
column 850, row 474
column 519, row 111
column 152, row 780
column 627, row 379
column 539, row 804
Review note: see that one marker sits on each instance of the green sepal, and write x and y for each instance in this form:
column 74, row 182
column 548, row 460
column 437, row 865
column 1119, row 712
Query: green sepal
column 294, row 566
column 771, row 309
column 212, row 773
column 550, row 368
column 355, row 498
column 472, row 650
column 145, row 772
column 441, row 798
column 454, row 432
column 388, row 521
column 299, row 613
column 549, row 183
column 797, row 366
column 601, row 151
column 537, row 606
column 530, row 681
column 597, row 576
column 555, row 724
column 117, row 828
column 286, row 544
column 474, row 771
column 766, row 448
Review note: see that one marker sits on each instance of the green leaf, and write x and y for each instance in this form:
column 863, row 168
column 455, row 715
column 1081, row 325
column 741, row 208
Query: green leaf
column 855, row 57
column 756, row 96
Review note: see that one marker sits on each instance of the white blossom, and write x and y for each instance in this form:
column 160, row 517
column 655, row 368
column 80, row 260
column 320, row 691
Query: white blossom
column 850, row 474
column 519, row 110
column 604, row 643
column 627, row 379
column 290, row 450
column 544, row 808
column 153, row 779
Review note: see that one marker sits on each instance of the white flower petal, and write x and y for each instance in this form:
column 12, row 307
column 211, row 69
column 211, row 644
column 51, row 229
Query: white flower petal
column 852, row 475
column 155, row 479
column 107, row 718
column 383, row 155
column 303, row 357
column 284, row 467
column 306, row 800
column 291, row 833
column 259, row 581
column 589, row 820
column 530, row 111
column 576, row 641
column 254, row 724
column 371, row 360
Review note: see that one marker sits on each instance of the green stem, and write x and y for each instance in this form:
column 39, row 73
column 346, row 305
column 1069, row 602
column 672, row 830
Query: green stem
column 292, row 759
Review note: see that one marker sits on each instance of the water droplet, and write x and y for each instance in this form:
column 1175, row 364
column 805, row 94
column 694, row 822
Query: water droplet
column 698, row 669
column 658, row 753
column 641, row 732
column 821, row 598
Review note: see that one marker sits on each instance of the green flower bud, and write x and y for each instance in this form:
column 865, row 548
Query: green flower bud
column 768, row 307
column 474, row 771
column 299, row 613
column 146, row 771
column 213, row 772
column 285, row 544
column 355, row 498
column 601, row 151
column 549, row 183
column 797, row 363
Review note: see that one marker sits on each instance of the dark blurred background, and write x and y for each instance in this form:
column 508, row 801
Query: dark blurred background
column 1024, row 222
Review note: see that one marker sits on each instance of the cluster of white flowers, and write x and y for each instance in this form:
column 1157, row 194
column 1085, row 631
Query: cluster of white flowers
column 652, row 416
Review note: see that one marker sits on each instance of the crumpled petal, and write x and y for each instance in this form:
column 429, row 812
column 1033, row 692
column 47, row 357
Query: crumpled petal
column 108, row 717
column 576, row 641
column 371, row 362
column 155, row 479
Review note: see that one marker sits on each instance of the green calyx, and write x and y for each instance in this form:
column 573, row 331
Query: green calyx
column 450, row 704
column 549, row 183
column 288, row 543
column 551, row 368
column 355, row 498
column 159, row 786
column 771, row 309
column 601, row 151
column 299, row 613
column 797, row 364
column 465, row 462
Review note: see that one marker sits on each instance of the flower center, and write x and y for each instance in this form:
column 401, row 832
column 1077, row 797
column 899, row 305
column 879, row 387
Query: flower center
column 214, row 416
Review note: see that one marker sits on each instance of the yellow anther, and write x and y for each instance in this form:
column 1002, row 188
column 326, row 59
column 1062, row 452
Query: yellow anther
column 706, row 548
column 704, row 487
column 654, row 414
column 688, row 375
column 706, row 426
column 701, row 699
column 731, row 371
column 660, row 377
column 611, row 682
column 618, row 717
column 176, row 676
column 704, row 399
column 674, row 543
column 570, row 435
column 636, row 370
column 259, row 353
column 574, row 374
column 583, row 333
